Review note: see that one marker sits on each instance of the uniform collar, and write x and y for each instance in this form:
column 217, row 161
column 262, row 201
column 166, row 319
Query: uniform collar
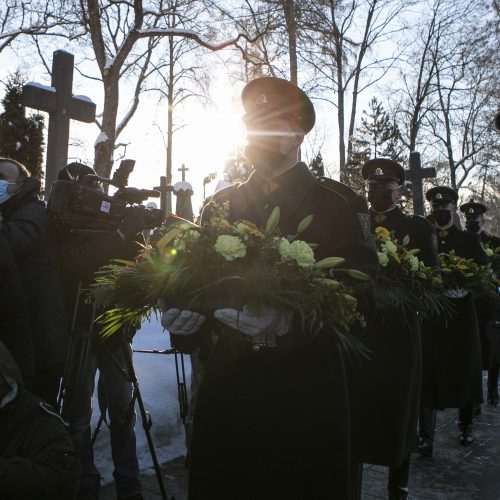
column 295, row 181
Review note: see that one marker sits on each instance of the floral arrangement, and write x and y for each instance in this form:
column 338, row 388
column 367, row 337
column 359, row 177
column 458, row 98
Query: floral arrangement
column 465, row 275
column 494, row 256
column 404, row 280
column 223, row 264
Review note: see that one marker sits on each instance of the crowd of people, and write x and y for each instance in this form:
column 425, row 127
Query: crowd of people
column 285, row 416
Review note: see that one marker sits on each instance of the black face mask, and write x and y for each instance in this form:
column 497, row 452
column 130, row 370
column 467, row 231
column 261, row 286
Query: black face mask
column 263, row 159
column 472, row 225
column 381, row 199
column 441, row 216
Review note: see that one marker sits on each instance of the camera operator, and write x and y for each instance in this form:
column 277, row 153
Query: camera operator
column 27, row 228
column 82, row 253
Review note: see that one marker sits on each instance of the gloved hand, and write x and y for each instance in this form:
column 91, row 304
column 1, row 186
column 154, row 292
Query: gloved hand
column 132, row 224
column 456, row 293
column 180, row 322
column 256, row 322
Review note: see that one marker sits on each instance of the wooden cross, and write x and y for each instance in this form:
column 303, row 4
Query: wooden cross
column 165, row 196
column 183, row 169
column 416, row 174
column 61, row 105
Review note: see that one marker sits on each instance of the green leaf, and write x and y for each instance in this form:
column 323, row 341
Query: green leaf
column 273, row 221
column 304, row 224
column 329, row 262
column 358, row 275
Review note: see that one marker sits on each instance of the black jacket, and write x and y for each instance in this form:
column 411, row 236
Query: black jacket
column 384, row 390
column 37, row 460
column 27, row 228
column 275, row 423
column 451, row 348
column 15, row 330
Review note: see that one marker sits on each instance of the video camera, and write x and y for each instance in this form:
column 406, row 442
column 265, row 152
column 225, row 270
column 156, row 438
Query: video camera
column 79, row 205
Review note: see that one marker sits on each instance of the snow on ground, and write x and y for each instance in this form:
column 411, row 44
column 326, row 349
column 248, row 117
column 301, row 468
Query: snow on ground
column 158, row 386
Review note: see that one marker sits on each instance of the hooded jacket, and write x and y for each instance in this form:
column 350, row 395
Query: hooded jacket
column 27, row 227
column 37, row 458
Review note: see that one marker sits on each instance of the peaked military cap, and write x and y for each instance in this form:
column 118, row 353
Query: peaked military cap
column 267, row 97
column 442, row 193
column 472, row 207
column 383, row 169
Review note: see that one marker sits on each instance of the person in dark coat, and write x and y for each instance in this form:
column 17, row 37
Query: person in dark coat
column 384, row 390
column 37, row 458
column 474, row 223
column 451, row 351
column 272, row 419
column 27, row 228
column 81, row 254
column 15, row 331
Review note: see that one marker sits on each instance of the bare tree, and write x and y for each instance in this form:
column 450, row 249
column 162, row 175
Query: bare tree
column 339, row 56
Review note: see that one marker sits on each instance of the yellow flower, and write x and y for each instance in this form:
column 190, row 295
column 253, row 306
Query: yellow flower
column 302, row 253
column 230, row 247
column 246, row 227
column 220, row 223
column 382, row 233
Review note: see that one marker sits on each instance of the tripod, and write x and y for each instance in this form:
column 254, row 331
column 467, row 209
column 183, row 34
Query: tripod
column 76, row 373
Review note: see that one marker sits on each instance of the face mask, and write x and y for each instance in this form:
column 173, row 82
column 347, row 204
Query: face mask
column 4, row 196
column 441, row 216
column 264, row 160
column 381, row 199
column 472, row 225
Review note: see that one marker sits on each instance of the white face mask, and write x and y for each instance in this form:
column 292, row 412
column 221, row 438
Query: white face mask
column 4, row 196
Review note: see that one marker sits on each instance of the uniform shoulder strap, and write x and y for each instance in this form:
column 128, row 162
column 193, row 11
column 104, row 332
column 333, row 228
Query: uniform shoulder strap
column 336, row 187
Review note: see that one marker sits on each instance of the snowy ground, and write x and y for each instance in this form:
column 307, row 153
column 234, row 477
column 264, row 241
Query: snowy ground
column 158, row 386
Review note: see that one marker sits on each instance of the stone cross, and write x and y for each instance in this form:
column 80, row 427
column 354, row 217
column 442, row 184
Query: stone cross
column 61, row 105
column 165, row 196
column 416, row 174
column 183, row 169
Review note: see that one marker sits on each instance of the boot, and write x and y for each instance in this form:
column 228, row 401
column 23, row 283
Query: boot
column 477, row 410
column 465, row 426
column 426, row 429
column 492, row 395
column 493, row 386
column 398, row 494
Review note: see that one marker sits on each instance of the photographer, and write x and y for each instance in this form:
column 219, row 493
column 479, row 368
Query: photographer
column 82, row 253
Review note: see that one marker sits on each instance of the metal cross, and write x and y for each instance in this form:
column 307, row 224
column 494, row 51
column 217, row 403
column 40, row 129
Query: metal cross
column 183, row 169
column 416, row 174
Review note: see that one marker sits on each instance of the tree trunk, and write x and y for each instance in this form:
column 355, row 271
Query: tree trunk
column 291, row 27
column 103, row 154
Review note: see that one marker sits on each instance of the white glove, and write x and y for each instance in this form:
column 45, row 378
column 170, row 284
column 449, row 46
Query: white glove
column 256, row 322
column 455, row 293
column 181, row 322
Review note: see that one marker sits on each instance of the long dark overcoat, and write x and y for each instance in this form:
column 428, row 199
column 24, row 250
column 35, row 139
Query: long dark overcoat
column 451, row 348
column 274, row 424
column 385, row 389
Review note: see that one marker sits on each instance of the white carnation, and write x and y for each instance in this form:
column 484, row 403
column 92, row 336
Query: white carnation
column 302, row 253
column 230, row 247
column 383, row 259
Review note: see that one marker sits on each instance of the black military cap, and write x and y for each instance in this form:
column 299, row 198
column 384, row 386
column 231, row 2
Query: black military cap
column 472, row 208
column 442, row 193
column 383, row 169
column 268, row 97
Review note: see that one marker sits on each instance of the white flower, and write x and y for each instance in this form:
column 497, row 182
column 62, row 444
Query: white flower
column 413, row 262
column 489, row 252
column 230, row 247
column 389, row 247
column 302, row 253
column 383, row 259
column 284, row 248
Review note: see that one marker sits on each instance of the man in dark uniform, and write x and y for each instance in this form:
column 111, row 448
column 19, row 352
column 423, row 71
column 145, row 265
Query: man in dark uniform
column 385, row 389
column 272, row 418
column 474, row 223
column 451, row 351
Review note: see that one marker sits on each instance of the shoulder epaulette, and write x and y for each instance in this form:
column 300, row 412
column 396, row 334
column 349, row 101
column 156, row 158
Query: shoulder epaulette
column 46, row 408
column 425, row 223
column 341, row 190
